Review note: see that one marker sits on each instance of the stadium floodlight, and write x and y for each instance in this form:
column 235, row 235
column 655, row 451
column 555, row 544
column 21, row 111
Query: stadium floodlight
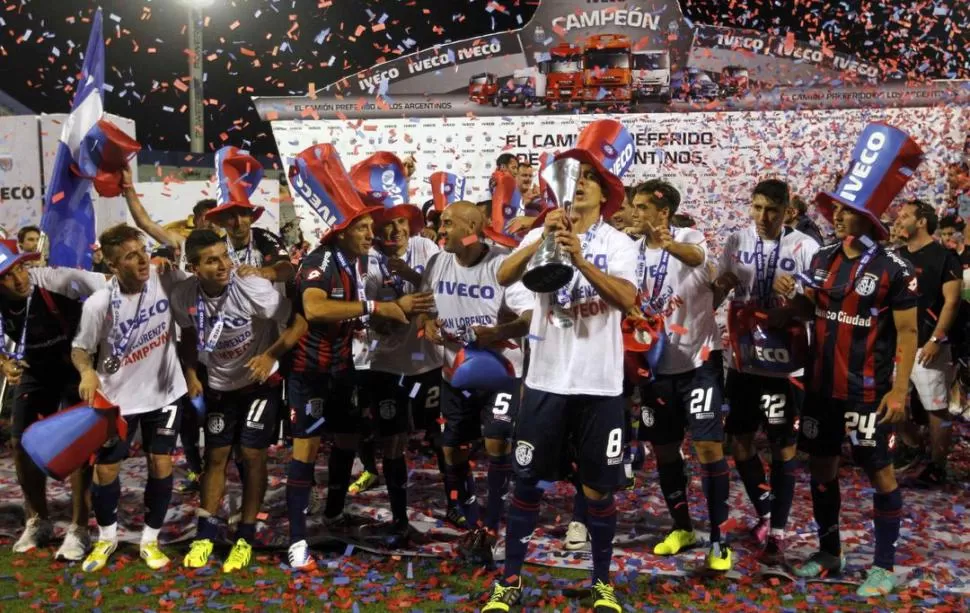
column 194, row 33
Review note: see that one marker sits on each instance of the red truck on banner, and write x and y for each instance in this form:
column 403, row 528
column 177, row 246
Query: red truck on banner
column 606, row 69
column 564, row 71
column 482, row 88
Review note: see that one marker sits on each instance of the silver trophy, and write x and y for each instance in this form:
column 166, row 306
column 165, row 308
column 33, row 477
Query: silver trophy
column 551, row 268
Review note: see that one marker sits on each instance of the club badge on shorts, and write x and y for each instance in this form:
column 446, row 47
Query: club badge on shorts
column 388, row 409
column 523, row 453
column 646, row 414
column 216, row 423
column 810, row 427
column 314, row 408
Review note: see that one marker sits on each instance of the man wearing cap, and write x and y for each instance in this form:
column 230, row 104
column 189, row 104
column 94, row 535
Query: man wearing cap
column 231, row 324
column 863, row 301
column 404, row 369
column 473, row 309
column 748, row 266
column 687, row 392
column 254, row 251
column 506, row 222
column 574, row 385
column 331, row 295
column 39, row 311
column 940, row 280
column 130, row 327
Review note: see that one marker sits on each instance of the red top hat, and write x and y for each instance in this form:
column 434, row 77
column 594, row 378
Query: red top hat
column 105, row 151
column 445, row 189
column 883, row 161
column 238, row 174
column 381, row 179
column 506, row 206
column 318, row 176
column 10, row 255
column 607, row 147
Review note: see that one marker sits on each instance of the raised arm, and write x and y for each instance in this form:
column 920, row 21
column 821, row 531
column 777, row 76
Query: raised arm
column 142, row 220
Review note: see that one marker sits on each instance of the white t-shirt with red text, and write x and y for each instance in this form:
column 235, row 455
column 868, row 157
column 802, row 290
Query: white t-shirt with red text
column 585, row 358
column 150, row 376
column 252, row 313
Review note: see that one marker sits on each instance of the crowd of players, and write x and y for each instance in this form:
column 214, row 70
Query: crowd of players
column 365, row 331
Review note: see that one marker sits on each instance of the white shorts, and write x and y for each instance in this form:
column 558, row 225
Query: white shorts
column 932, row 382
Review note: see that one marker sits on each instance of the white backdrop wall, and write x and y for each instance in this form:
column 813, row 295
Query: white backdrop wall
column 714, row 158
column 21, row 182
column 171, row 201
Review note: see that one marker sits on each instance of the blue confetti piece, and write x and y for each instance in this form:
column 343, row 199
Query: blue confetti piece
column 415, row 390
column 349, row 550
column 417, row 356
column 535, row 337
column 410, row 574
column 315, row 425
column 342, row 580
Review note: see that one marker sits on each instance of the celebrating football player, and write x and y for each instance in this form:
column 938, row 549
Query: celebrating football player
column 129, row 325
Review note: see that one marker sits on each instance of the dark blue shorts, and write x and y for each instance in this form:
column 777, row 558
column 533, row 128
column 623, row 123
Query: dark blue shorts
column 159, row 431
column 470, row 416
column 692, row 400
column 555, row 429
column 41, row 396
column 323, row 402
column 246, row 417
column 770, row 402
column 826, row 422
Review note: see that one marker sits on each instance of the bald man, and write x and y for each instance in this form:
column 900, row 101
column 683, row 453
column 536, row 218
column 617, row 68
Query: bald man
column 473, row 308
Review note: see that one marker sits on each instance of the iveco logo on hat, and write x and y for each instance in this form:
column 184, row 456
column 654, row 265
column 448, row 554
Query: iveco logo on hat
column 861, row 169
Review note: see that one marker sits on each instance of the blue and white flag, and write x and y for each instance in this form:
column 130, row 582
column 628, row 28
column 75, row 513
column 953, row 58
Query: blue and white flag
column 68, row 218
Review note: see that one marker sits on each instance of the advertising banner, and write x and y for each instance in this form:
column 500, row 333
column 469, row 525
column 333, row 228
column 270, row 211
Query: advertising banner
column 619, row 56
column 21, row 184
column 714, row 158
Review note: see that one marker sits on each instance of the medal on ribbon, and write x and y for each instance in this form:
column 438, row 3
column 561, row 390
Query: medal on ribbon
column 117, row 339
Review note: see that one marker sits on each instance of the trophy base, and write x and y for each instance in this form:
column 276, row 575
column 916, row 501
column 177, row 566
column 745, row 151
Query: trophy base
column 548, row 277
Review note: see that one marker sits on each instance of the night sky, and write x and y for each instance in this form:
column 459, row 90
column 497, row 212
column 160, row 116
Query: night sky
column 266, row 47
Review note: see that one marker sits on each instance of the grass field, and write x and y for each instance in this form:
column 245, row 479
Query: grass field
column 364, row 582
